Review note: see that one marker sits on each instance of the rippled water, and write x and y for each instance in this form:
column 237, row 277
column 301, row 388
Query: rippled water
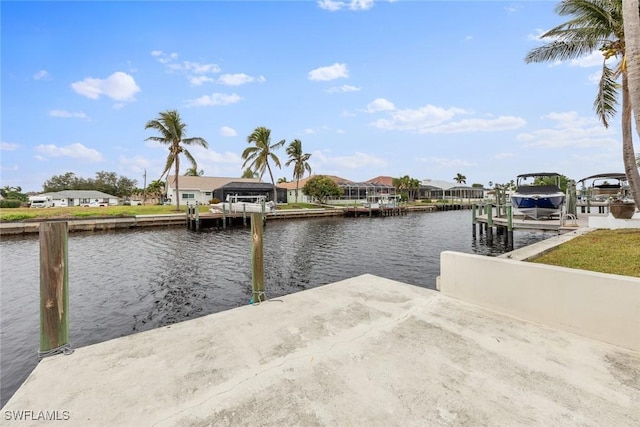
column 131, row 281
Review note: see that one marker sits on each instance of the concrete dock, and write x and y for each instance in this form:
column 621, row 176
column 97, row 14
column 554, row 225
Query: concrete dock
column 364, row 351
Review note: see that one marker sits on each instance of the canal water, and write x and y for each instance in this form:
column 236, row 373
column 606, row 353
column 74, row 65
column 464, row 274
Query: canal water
column 130, row 281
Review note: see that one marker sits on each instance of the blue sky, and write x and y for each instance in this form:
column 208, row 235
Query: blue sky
column 419, row 88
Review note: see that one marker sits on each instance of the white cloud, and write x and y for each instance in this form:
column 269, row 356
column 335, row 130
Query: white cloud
column 501, row 156
column 41, row 75
column 477, row 125
column 309, row 131
column 227, row 131
column 136, row 165
column 343, row 89
column 330, row 72
column 239, row 79
column 164, row 58
column 198, row 80
column 513, row 7
column 468, row 38
column 68, row 114
column 335, row 5
column 214, row 99
column 196, row 72
column 418, row 119
column 537, row 35
column 13, row 168
column 569, row 129
column 75, row 151
column 8, row 146
column 594, row 59
column 432, row 119
column 447, row 163
column 355, row 161
column 380, row 104
column 118, row 86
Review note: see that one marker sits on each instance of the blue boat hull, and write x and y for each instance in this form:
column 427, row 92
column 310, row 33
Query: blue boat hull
column 538, row 206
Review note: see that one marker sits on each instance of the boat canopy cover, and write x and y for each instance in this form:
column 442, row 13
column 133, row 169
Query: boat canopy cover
column 618, row 176
column 527, row 175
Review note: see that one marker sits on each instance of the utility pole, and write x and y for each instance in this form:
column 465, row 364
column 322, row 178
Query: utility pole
column 144, row 189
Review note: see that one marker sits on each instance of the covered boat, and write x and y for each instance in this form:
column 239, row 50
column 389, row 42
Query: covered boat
column 538, row 200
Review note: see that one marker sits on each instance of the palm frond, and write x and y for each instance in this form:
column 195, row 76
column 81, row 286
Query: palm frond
column 607, row 96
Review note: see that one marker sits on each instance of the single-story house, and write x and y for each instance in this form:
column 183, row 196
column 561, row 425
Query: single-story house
column 201, row 189
column 67, row 198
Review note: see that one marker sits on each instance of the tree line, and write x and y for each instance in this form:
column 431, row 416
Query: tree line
column 106, row 182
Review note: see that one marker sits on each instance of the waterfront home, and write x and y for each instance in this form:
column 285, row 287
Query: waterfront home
column 68, row 198
column 202, row 189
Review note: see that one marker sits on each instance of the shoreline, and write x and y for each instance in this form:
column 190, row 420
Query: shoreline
column 32, row 226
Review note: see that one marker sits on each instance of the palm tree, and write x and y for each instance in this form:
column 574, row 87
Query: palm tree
column 460, row 179
column 632, row 31
column 258, row 155
column 156, row 189
column 172, row 133
column 596, row 25
column 300, row 162
column 193, row 171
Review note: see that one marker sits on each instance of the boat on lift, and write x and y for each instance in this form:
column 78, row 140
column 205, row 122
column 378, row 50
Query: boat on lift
column 538, row 200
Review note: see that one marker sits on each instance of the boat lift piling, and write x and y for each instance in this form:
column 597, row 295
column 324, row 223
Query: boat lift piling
column 257, row 260
column 54, row 289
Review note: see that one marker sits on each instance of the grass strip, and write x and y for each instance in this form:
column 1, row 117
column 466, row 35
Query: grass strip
column 605, row 251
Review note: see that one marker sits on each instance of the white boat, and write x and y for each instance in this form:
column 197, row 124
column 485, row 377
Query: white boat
column 244, row 204
column 538, row 200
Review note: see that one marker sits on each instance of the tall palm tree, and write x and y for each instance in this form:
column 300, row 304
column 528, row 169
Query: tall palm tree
column 300, row 162
column 596, row 25
column 632, row 31
column 172, row 133
column 258, row 155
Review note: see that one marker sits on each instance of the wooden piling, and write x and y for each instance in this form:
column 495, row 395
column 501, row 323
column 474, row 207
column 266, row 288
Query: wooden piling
column 473, row 221
column 509, row 226
column 257, row 265
column 244, row 214
column 197, row 212
column 490, row 221
column 224, row 216
column 54, row 288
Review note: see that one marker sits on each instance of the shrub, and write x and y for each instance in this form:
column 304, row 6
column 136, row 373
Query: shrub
column 214, row 201
column 10, row 203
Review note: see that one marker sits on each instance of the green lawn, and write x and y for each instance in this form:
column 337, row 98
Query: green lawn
column 605, row 251
column 19, row 214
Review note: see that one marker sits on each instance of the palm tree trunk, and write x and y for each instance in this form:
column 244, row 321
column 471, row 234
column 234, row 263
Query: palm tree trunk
column 631, row 19
column 628, row 155
column 275, row 191
column 297, row 186
column 177, row 162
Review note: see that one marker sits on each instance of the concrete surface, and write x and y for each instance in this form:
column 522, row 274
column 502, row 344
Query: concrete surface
column 364, row 351
column 601, row 306
column 610, row 222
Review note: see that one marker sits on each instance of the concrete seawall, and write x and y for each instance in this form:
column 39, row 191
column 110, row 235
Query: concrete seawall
column 363, row 351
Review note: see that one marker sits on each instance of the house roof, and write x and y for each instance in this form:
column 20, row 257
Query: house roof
column 292, row 185
column 80, row 194
column 205, row 183
column 384, row 180
column 443, row 185
column 246, row 186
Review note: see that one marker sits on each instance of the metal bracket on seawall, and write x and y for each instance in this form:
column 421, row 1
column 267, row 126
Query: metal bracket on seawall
column 64, row 349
